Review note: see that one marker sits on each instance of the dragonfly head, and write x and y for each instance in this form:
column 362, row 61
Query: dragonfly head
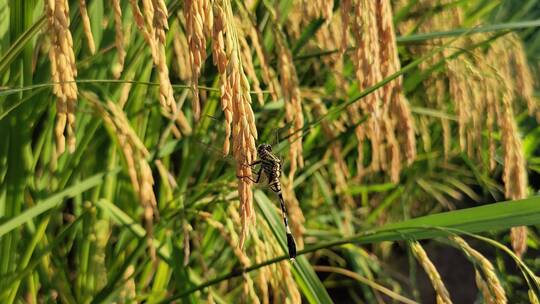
column 264, row 149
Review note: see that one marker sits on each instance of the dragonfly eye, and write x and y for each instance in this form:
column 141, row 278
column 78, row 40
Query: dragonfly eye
column 263, row 149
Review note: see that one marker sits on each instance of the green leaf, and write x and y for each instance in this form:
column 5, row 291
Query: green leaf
column 309, row 283
column 16, row 47
column 52, row 202
column 306, row 35
column 469, row 31
column 492, row 217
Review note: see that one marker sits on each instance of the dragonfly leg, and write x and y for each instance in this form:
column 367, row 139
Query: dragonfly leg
column 253, row 163
column 256, row 180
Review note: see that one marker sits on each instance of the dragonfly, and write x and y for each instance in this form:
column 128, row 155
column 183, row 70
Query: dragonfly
column 270, row 166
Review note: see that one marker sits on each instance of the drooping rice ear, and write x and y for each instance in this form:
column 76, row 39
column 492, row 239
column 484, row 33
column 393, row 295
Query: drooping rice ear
column 63, row 72
column 440, row 289
column 86, row 26
column 486, row 280
column 236, row 105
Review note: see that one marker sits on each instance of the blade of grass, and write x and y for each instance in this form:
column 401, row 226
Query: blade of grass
column 17, row 46
column 68, row 230
column 52, row 202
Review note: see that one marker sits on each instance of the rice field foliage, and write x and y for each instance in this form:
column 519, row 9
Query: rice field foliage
column 408, row 132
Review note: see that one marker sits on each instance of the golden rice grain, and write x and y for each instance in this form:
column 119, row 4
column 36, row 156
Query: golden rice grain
column 86, row 26
column 128, row 292
column 389, row 125
column 152, row 22
column 442, row 293
column 181, row 52
column 247, row 61
column 487, row 281
column 264, row 274
column 367, row 70
column 293, row 103
column 281, row 280
column 118, row 39
column 236, row 105
column 518, row 237
column 268, row 74
column 146, row 29
column 186, row 229
column 160, row 22
column 483, row 287
column 197, row 19
column 345, row 7
column 532, row 297
column 63, row 72
column 514, row 172
column 296, row 217
column 524, row 83
column 219, row 55
column 125, row 90
column 135, row 155
column 484, row 88
column 230, row 236
column 318, row 9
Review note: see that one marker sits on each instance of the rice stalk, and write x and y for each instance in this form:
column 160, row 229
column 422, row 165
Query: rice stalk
column 339, row 166
column 296, row 216
column 267, row 73
column 399, row 110
column 86, row 26
column 199, row 19
column 247, row 59
column 182, row 55
column 236, row 105
column 152, row 23
column 434, row 84
column 118, row 39
column 442, row 293
column 389, row 125
column 281, row 281
column 230, row 236
column 484, row 88
column 314, row 9
column 329, row 37
column 524, row 82
column 264, row 274
column 487, row 281
column 135, row 155
column 293, row 102
column 63, row 72
column 367, row 70
column 128, row 291
column 514, row 171
column 532, row 297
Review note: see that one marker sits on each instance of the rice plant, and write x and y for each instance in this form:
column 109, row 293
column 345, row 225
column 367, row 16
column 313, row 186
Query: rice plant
column 407, row 134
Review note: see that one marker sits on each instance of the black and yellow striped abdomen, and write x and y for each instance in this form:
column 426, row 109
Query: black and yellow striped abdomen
column 271, row 167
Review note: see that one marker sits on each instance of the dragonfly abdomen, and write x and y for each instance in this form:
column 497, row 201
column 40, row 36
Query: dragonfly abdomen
column 271, row 166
